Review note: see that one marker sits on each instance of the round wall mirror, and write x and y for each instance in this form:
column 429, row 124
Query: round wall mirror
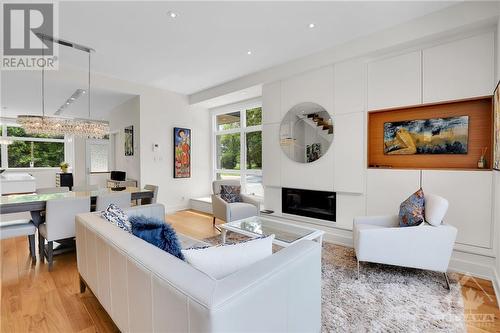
column 306, row 132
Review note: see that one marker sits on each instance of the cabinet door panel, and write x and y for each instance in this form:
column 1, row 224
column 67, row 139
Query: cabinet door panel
column 461, row 69
column 386, row 189
column 395, row 81
column 350, row 87
column 469, row 195
column 348, row 147
column 271, row 155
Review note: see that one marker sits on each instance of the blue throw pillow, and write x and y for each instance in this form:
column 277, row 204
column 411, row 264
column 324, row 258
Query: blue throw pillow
column 411, row 211
column 158, row 233
column 117, row 216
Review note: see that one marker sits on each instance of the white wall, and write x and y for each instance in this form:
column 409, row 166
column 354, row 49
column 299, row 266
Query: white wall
column 122, row 116
column 410, row 75
column 161, row 111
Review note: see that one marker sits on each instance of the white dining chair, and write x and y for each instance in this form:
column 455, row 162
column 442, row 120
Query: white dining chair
column 121, row 199
column 20, row 228
column 50, row 190
column 59, row 223
column 85, row 188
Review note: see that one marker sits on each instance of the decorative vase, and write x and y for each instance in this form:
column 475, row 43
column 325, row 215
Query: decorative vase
column 64, row 170
column 481, row 164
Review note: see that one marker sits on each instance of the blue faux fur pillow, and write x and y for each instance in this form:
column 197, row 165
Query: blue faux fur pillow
column 158, row 233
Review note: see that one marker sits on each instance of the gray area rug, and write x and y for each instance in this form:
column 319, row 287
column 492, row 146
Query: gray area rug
column 385, row 298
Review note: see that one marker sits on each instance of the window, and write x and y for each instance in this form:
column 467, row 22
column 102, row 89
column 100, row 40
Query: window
column 30, row 151
column 238, row 145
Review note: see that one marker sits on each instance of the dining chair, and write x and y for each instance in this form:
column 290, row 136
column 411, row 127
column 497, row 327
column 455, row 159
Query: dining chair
column 154, row 189
column 19, row 228
column 121, row 199
column 85, row 188
column 49, row 190
column 59, row 223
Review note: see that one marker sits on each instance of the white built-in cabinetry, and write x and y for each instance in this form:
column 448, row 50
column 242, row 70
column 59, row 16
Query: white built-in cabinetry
column 395, row 81
column 454, row 69
column 460, row 69
column 469, row 194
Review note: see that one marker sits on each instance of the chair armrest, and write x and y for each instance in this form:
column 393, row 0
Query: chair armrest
column 220, row 208
column 383, row 220
column 250, row 200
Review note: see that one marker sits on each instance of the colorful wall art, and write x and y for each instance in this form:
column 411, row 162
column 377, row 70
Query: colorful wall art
column 427, row 136
column 496, row 129
column 182, row 152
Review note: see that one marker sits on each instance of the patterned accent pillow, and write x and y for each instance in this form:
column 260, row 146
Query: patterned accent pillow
column 230, row 193
column 411, row 211
column 115, row 215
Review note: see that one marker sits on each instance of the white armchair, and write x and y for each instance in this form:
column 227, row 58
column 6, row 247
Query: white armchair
column 379, row 239
column 232, row 211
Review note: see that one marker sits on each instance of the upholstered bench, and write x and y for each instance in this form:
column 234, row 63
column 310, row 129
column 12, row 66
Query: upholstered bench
column 19, row 228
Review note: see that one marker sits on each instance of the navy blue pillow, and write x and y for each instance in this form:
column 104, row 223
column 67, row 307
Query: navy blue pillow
column 158, row 233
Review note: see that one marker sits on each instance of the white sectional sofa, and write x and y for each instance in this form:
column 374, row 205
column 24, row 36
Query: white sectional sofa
column 145, row 289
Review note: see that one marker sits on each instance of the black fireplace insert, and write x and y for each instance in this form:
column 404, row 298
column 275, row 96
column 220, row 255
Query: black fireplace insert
column 315, row 204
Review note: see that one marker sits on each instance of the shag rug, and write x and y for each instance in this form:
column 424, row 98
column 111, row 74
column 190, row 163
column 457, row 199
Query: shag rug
column 385, row 298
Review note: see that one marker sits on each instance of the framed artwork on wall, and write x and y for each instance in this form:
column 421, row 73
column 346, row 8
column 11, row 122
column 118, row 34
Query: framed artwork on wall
column 496, row 128
column 129, row 140
column 427, row 136
column 182, row 152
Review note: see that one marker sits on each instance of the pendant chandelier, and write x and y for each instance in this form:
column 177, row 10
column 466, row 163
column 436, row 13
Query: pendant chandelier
column 59, row 126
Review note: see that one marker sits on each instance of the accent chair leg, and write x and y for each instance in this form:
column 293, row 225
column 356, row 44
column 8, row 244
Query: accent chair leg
column 358, row 269
column 83, row 286
column 215, row 226
column 41, row 247
column 50, row 254
column 447, row 281
column 31, row 241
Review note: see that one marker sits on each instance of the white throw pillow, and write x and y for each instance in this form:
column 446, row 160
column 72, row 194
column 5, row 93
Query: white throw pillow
column 435, row 209
column 220, row 261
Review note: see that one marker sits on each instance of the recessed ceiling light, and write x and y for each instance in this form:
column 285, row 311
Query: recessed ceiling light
column 249, row 52
column 311, row 25
column 172, row 14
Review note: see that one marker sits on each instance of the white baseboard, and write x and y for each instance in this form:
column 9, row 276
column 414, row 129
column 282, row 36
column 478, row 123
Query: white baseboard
column 176, row 208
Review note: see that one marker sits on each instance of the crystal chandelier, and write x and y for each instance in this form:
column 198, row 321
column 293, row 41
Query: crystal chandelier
column 58, row 126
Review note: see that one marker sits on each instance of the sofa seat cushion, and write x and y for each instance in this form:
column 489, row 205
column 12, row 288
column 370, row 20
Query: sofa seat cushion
column 241, row 210
column 223, row 260
column 157, row 233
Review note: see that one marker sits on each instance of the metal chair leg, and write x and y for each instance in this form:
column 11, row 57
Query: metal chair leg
column 31, row 241
column 447, row 281
column 50, row 254
column 216, row 226
column 41, row 247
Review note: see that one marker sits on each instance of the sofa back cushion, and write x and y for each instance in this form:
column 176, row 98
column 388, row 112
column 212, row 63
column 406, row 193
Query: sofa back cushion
column 435, row 209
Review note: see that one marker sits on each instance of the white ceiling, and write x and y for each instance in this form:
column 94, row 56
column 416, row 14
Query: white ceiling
column 21, row 94
column 207, row 43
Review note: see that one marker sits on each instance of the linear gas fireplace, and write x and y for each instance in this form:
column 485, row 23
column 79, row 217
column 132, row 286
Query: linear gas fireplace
column 315, row 204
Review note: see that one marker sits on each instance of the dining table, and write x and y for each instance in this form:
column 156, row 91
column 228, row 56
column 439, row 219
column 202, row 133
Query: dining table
column 35, row 203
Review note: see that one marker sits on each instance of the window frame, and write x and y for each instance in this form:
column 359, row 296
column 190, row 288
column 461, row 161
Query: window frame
column 5, row 150
column 242, row 108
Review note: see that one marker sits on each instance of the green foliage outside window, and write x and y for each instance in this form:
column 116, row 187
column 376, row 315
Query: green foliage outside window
column 25, row 154
column 254, row 116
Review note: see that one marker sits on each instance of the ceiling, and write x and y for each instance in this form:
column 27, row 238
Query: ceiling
column 207, row 43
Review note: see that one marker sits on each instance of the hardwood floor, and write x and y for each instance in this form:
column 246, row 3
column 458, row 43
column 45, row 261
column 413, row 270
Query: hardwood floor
column 35, row 300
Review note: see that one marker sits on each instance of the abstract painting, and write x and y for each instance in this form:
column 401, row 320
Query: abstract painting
column 427, row 136
column 129, row 141
column 182, row 152
column 496, row 129
column 313, row 152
